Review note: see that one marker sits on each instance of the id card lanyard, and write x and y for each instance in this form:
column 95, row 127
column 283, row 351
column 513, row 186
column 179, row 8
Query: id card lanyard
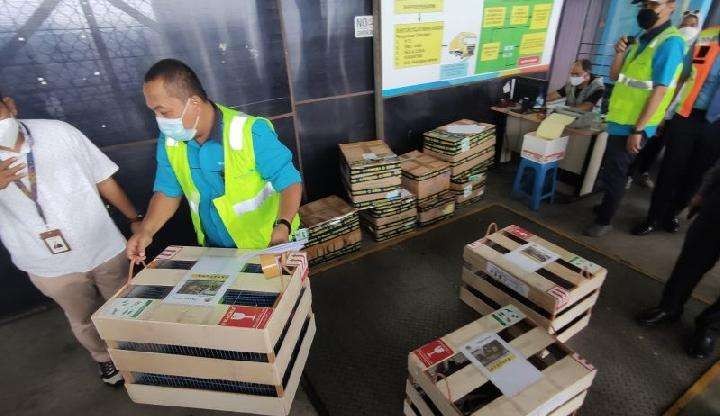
column 53, row 238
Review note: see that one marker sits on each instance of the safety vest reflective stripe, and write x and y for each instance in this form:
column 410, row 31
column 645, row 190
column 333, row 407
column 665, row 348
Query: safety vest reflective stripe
column 635, row 83
column 256, row 201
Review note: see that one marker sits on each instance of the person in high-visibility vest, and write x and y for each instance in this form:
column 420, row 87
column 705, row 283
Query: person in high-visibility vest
column 646, row 73
column 238, row 178
column 693, row 138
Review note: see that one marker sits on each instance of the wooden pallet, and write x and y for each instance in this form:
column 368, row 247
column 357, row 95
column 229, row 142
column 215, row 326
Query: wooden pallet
column 211, row 356
column 553, row 287
column 456, row 387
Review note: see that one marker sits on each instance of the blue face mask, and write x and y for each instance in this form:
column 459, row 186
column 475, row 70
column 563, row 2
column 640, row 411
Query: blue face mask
column 174, row 129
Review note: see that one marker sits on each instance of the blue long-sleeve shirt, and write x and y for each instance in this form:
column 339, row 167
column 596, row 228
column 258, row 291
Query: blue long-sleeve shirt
column 207, row 167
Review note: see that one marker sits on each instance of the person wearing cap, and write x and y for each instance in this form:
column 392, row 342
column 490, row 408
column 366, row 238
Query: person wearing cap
column 700, row 253
column 238, row 178
column 692, row 138
column 646, row 73
column 54, row 223
column 583, row 90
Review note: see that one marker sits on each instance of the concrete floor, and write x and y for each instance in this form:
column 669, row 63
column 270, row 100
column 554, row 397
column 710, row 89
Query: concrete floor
column 45, row 372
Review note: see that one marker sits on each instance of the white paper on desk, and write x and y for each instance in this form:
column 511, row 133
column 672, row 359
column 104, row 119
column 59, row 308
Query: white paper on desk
column 554, row 125
column 465, row 128
column 556, row 103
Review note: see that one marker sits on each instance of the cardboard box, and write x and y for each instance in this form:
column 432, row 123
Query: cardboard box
column 336, row 244
column 327, row 218
column 203, row 327
column 456, row 141
column 370, row 171
column 424, row 175
column 519, row 367
column 552, row 286
column 542, row 150
column 469, row 191
column 436, row 208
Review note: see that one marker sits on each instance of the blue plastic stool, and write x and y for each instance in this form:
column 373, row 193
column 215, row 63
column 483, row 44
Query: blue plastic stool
column 542, row 184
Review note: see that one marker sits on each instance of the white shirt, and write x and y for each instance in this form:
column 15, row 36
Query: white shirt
column 68, row 167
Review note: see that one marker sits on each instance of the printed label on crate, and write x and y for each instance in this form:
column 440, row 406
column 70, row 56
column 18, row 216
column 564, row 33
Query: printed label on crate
column 393, row 194
column 246, row 317
column 433, row 352
column 449, row 209
column 520, row 232
column 302, row 235
column 465, row 145
column 531, row 257
column 476, row 177
column 586, row 265
column 510, row 281
column 508, row 315
column 199, row 289
column 128, row 308
column 168, row 253
column 560, row 295
column 467, row 190
column 369, row 156
column 504, row 366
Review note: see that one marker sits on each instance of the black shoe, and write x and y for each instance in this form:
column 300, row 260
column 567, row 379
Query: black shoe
column 644, row 229
column 596, row 209
column 110, row 375
column 702, row 344
column 656, row 316
column 672, row 225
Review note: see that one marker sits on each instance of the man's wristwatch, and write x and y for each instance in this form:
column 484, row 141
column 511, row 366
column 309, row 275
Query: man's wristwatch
column 284, row 222
column 640, row 132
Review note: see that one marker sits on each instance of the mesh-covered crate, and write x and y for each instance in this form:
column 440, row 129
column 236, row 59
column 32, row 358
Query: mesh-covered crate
column 500, row 365
column 206, row 328
column 552, row 286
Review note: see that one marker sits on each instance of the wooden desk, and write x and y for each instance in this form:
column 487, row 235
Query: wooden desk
column 578, row 170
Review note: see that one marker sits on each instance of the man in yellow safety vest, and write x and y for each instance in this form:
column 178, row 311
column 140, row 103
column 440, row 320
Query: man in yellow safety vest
column 239, row 180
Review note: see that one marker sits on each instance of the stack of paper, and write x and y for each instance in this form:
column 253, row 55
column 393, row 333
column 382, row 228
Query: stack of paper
column 371, row 172
column 469, row 148
column 331, row 229
column 391, row 218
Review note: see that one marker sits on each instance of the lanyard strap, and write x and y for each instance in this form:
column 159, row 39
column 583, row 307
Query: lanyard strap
column 31, row 192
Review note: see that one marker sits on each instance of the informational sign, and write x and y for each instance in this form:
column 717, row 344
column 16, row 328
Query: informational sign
column 429, row 44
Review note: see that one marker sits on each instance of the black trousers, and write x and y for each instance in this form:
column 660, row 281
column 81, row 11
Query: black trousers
column 647, row 156
column 700, row 253
column 693, row 147
column 613, row 177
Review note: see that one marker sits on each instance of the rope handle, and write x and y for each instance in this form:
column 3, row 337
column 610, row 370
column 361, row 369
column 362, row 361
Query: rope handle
column 491, row 229
column 131, row 269
column 586, row 274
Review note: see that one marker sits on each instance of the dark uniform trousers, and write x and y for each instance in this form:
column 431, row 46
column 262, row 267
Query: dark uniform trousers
column 613, row 177
column 693, row 147
column 700, row 253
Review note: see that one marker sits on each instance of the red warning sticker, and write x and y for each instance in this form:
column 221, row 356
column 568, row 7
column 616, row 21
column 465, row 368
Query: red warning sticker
column 518, row 231
column 246, row 317
column 433, row 352
column 560, row 295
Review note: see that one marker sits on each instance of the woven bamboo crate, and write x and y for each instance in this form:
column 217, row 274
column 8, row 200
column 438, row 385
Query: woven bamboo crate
column 424, row 175
column 243, row 353
column 515, row 266
column 452, row 385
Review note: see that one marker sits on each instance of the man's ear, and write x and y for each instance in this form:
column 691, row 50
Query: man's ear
column 10, row 104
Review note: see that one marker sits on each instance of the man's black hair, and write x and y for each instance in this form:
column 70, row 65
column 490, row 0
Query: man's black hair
column 586, row 65
column 180, row 80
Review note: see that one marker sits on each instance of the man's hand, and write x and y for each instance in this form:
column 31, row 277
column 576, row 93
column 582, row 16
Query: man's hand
column 137, row 244
column 695, row 205
column 621, row 45
column 280, row 235
column 8, row 174
column 135, row 227
column 633, row 143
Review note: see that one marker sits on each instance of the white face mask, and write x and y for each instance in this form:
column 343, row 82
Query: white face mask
column 689, row 33
column 575, row 81
column 9, row 131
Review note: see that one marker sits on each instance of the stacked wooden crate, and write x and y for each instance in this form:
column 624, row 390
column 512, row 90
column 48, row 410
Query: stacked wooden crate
column 371, row 172
column 469, row 148
column 499, row 365
column 428, row 178
column 552, row 286
column 207, row 328
column 391, row 218
column 331, row 228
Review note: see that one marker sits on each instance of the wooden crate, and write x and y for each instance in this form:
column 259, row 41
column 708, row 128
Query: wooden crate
column 457, row 387
column 246, row 348
column 520, row 264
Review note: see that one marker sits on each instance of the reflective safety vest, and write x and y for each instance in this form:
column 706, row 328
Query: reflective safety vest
column 250, row 205
column 635, row 84
column 707, row 50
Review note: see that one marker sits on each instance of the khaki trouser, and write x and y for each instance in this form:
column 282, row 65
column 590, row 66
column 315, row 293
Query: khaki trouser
column 81, row 294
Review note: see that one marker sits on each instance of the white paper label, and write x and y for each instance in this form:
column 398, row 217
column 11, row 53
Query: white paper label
column 510, row 281
column 508, row 315
column 477, row 177
column 583, row 264
column 302, row 235
column 504, row 366
column 531, row 257
column 370, row 156
column 393, row 194
column 465, row 145
column 467, row 191
column 363, row 26
column 465, row 129
column 127, row 308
